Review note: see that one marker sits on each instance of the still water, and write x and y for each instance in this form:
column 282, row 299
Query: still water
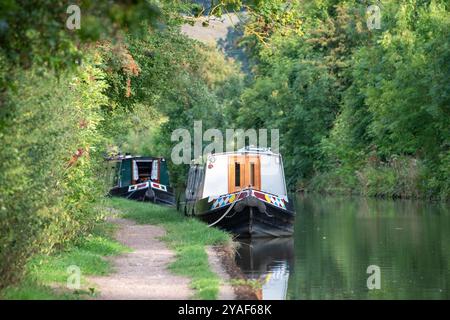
column 337, row 238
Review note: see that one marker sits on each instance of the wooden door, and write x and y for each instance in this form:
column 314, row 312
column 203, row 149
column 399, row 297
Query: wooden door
column 253, row 172
column 236, row 173
column 243, row 171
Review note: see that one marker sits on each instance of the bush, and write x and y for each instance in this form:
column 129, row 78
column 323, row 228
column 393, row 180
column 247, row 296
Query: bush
column 399, row 177
column 342, row 181
column 49, row 163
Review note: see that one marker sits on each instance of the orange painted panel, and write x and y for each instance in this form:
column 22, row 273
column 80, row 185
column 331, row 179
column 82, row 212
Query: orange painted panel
column 243, row 171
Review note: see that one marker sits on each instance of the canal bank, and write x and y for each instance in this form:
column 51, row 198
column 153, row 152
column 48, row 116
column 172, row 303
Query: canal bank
column 173, row 246
column 141, row 251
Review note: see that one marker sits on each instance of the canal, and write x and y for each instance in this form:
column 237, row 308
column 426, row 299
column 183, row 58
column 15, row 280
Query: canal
column 336, row 239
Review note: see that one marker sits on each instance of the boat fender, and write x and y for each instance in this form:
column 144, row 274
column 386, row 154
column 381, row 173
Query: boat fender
column 150, row 194
column 250, row 202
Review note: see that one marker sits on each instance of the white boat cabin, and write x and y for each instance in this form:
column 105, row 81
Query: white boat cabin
column 230, row 172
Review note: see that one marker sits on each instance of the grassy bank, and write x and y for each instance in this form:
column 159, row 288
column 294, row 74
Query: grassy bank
column 47, row 275
column 187, row 237
column 398, row 178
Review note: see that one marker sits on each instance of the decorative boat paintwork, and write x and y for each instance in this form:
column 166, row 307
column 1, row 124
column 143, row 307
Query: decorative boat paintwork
column 243, row 192
column 141, row 178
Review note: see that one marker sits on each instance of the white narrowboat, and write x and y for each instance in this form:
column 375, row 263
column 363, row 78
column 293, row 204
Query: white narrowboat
column 243, row 192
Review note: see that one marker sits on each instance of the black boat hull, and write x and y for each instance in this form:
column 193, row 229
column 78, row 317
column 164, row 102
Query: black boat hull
column 145, row 194
column 249, row 217
column 160, row 196
column 124, row 193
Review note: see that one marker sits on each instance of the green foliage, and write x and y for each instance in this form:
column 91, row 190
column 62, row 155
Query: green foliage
column 176, row 81
column 345, row 97
column 56, row 120
column 50, row 162
column 34, row 32
column 47, row 271
column 359, row 111
column 299, row 80
column 29, row 289
column 398, row 103
column 398, row 178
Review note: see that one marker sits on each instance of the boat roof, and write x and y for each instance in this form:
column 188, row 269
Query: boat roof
column 250, row 149
column 121, row 157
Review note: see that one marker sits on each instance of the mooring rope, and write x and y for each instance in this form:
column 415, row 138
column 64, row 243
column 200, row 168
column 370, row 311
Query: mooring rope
column 131, row 194
column 228, row 210
column 268, row 214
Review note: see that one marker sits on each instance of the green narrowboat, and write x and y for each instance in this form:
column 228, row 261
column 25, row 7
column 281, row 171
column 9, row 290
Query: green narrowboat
column 141, row 178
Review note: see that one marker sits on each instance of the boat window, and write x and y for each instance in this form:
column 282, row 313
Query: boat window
column 144, row 170
column 252, row 174
column 237, row 174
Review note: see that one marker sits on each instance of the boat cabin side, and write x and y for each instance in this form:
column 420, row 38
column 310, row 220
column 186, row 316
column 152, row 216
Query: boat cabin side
column 133, row 170
column 227, row 173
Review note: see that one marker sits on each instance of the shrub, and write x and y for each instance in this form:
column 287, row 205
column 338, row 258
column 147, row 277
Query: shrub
column 49, row 162
column 397, row 178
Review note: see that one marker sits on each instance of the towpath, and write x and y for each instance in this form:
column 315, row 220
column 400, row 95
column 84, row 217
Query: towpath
column 142, row 273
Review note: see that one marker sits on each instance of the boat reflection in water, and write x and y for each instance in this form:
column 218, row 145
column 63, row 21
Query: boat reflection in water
column 268, row 261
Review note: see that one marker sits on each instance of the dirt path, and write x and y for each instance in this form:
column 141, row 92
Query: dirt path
column 142, row 274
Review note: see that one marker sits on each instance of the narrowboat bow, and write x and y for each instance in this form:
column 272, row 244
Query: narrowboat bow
column 243, row 192
column 141, row 178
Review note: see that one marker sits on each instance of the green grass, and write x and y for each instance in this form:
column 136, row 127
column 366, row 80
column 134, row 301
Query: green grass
column 46, row 275
column 186, row 236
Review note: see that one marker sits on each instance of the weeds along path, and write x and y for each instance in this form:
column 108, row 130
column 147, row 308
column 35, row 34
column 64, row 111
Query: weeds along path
column 142, row 273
